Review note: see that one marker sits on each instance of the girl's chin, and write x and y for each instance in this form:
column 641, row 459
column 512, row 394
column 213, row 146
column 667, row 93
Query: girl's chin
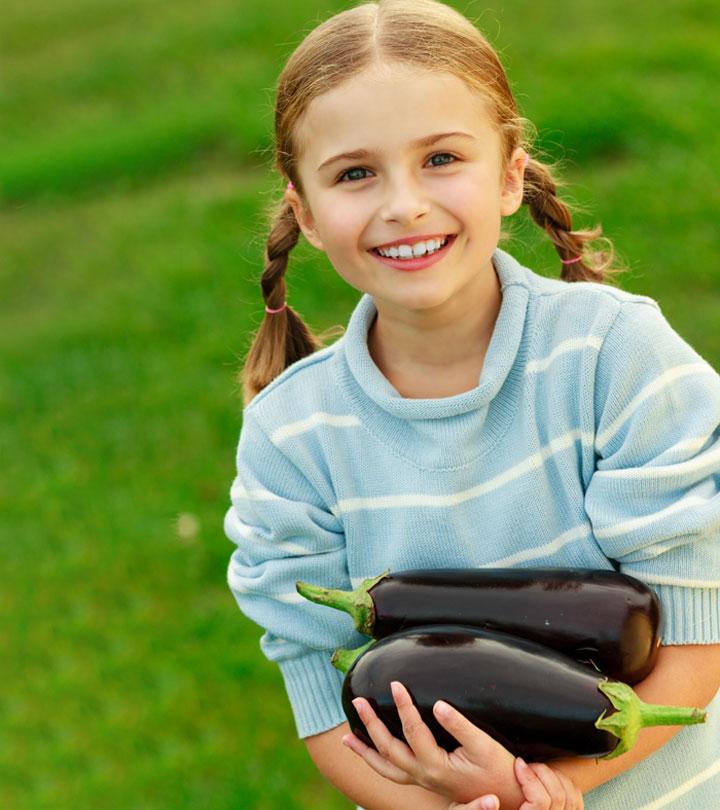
column 417, row 302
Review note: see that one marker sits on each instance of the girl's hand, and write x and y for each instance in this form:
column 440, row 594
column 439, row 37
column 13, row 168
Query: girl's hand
column 479, row 766
column 543, row 789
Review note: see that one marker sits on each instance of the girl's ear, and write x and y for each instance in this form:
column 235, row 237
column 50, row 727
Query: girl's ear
column 513, row 182
column 304, row 218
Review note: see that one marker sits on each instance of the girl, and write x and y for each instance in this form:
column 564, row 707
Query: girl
column 474, row 413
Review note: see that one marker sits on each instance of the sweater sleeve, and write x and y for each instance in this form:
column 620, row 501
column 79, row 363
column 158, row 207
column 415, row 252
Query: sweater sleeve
column 284, row 531
column 653, row 499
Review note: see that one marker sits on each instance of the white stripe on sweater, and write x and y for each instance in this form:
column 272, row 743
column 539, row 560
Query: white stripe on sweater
column 414, row 499
column 681, row 790
column 235, row 529
column 564, row 539
column 709, row 459
column 235, row 581
column 572, row 345
column 660, row 579
column 238, row 492
column 664, row 380
column 685, row 446
column 318, row 418
column 627, row 526
column 546, row 550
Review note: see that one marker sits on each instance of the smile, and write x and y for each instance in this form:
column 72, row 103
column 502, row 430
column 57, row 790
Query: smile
column 409, row 251
column 414, row 255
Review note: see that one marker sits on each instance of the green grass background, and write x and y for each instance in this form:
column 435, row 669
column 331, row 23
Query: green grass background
column 134, row 154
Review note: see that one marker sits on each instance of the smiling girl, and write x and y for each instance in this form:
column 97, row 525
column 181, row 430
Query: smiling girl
column 473, row 414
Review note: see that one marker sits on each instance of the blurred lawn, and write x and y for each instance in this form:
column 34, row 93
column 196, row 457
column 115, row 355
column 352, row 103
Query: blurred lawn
column 133, row 170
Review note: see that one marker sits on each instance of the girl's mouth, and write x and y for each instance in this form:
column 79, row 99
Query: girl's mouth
column 415, row 257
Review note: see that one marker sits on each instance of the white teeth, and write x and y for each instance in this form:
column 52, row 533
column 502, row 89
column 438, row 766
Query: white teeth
column 412, row 251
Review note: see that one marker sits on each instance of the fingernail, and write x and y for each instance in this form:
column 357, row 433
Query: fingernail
column 442, row 709
column 491, row 803
column 359, row 708
column 521, row 762
column 396, row 689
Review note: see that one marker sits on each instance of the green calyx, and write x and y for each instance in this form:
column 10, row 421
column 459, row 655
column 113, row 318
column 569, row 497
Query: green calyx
column 357, row 603
column 343, row 659
column 633, row 714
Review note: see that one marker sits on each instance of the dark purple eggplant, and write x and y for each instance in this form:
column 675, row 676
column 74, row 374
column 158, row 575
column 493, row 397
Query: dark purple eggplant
column 605, row 618
column 537, row 702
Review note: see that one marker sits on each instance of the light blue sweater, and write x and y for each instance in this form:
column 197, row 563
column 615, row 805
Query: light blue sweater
column 592, row 440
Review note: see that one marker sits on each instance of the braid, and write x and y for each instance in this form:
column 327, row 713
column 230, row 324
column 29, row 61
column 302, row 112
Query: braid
column 282, row 338
column 555, row 218
column 284, row 235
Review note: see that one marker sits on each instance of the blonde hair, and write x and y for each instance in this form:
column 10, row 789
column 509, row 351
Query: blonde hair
column 428, row 35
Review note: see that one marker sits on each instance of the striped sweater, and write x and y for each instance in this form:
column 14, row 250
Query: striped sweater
column 591, row 440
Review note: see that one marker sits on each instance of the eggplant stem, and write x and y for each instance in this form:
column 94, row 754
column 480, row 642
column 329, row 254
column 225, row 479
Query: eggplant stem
column 357, row 603
column 633, row 714
column 343, row 659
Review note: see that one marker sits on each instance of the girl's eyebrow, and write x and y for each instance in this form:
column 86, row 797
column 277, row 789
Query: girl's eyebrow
column 428, row 140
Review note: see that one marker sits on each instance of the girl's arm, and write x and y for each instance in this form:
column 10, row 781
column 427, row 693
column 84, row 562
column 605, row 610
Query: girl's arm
column 686, row 675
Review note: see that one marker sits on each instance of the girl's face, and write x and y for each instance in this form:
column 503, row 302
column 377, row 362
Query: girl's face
column 427, row 164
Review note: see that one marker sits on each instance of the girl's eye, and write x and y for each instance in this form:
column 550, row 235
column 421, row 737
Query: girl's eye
column 442, row 155
column 349, row 174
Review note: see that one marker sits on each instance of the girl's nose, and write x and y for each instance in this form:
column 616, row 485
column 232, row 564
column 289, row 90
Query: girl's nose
column 405, row 201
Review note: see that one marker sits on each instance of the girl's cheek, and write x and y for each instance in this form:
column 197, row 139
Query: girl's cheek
column 472, row 188
column 341, row 214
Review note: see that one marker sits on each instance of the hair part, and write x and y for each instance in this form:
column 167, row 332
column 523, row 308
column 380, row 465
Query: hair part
column 427, row 35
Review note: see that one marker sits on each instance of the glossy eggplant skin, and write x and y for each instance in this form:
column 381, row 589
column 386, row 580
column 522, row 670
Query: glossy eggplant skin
column 536, row 702
column 604, row 617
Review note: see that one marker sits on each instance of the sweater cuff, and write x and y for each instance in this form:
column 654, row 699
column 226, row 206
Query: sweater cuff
column 313, row 686
column 689, row 615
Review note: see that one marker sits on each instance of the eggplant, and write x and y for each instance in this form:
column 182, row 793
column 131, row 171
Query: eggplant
column 537, row 702
column 605, row 618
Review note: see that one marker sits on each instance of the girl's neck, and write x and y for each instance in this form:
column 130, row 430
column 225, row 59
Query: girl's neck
column 429, row 356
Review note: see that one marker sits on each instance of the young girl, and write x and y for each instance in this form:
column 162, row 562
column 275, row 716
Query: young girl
column 474, row 413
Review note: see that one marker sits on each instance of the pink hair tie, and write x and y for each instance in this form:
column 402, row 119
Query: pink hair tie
column 275, row 311
column 290, row 185
column 527, row 160
column 571, row 261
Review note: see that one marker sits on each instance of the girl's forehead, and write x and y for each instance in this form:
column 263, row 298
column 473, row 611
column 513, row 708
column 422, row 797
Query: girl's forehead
column 400, row 84
column 387, row 104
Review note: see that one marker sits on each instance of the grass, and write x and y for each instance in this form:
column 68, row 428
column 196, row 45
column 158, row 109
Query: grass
column 133, row 172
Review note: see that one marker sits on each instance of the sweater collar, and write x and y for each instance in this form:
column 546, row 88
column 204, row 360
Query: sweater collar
column 499, row 359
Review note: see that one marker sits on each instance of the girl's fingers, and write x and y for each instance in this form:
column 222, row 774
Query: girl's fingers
column 552, row 784
column 375, row 761
column 534, row 792
column 573, row 796
column 417, row 734
column 389, row 747
column 474, row 740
